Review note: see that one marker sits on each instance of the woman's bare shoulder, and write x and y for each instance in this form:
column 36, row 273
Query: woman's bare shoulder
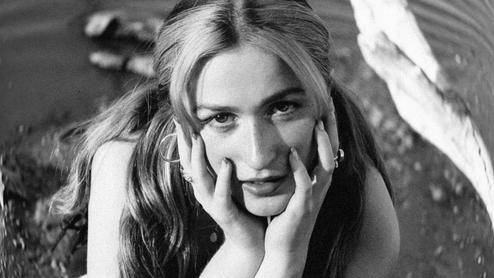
column 110, row 168
column 109, row 177
column 379, row 242
column 114, row 152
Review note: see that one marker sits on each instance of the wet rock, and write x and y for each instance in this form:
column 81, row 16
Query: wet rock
column 138, row 64
column 141, row 64
column 108, row 60
column 123, row 25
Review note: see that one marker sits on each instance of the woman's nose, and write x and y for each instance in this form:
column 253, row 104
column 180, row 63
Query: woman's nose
column 261, row 145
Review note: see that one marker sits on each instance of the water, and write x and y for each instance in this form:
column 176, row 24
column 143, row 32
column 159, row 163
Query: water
column 45, row 76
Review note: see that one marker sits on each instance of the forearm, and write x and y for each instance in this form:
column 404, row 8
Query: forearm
column 283, row 265
column 231, row 261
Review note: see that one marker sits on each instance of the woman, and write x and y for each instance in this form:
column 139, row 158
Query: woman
column 234, row 165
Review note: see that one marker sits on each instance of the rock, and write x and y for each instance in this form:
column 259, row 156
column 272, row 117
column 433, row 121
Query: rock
column 141, row 65
column 138, row 64
column 99, row 23
column 437, row 193
column 123, row 25
column 108, row 60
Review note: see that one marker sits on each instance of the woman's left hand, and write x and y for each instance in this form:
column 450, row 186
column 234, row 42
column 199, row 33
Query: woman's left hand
column 288, row 235
column 291, row 230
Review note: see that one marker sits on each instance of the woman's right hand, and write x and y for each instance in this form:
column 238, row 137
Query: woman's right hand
column 243, row 231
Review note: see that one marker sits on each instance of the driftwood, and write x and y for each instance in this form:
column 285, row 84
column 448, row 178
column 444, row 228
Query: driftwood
column 393, row 45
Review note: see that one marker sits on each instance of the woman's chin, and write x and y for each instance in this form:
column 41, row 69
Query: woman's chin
column 266, row 208
column 266, row 213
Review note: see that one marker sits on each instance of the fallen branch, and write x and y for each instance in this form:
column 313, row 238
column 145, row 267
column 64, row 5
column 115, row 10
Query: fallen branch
column 394, row 47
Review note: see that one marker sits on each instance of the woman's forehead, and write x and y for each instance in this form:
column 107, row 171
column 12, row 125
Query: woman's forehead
column 243, row 73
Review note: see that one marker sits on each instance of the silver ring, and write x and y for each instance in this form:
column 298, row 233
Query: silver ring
column 188, row 178
column 161, row 149
column 186, row 175
column 340, row 155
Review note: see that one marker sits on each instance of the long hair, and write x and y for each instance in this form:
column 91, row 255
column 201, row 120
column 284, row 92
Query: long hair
column 158, row 233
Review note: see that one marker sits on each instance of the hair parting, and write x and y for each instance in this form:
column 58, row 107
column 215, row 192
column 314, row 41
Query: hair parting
column 159, row 223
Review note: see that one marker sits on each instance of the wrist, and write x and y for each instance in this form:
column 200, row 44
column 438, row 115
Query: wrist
column 233, row 260
column 252, row 251
column 283, row 263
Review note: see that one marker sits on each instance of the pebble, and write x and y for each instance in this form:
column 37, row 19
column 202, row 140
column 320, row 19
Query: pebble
column 22, row 129
column 389, row 125
column 462, row 245
column 456, row 210
column 376, row 117
column 439, row 250
column 213, row 237
column 98, row 23
column 459, row 189
column 438, row 194
column 417, row 166
column 458, row 59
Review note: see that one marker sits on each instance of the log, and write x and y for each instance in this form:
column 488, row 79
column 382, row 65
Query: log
column 393, row 45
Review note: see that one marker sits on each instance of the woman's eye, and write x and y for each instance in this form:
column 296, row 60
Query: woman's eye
column 221, row 121
column 223, row 118
column 283, row 108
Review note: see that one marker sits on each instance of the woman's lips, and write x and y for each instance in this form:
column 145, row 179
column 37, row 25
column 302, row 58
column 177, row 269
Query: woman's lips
column 263, row 188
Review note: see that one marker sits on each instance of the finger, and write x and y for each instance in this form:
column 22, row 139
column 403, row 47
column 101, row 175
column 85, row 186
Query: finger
column 322, row 173
column 332, row 127
column 303, row 184
column 184, row 149
column 203, row 182
column 223, row 182
column 324, row 149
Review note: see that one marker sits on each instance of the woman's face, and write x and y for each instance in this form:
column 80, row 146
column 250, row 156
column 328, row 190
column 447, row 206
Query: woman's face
column 253, row 110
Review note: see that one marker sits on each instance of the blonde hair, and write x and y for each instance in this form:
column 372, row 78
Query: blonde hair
column 189, row 38
column 158, row 232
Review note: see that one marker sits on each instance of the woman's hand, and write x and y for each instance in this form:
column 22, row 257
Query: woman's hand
column 291, row 230
column 288, row 234
column 243, row 231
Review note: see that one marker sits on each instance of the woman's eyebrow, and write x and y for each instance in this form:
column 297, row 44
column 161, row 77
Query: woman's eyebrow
column 290, row 91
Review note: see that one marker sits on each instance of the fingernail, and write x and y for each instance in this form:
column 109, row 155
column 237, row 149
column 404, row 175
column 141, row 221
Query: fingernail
column 320, row 125
column 295, row 153
column 224, row 162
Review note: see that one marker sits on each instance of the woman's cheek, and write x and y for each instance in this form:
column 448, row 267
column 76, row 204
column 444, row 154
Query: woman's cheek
column 301, row 136
column 215, row 148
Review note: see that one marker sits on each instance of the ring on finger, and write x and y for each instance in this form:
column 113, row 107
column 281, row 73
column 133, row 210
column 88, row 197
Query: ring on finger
column 340, row 155
column 186, row 175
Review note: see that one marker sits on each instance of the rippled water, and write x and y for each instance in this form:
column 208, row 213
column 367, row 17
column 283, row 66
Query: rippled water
column 45, row 76
column 462, row 36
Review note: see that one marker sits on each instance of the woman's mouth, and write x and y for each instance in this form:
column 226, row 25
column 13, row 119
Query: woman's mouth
column 263, row 187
